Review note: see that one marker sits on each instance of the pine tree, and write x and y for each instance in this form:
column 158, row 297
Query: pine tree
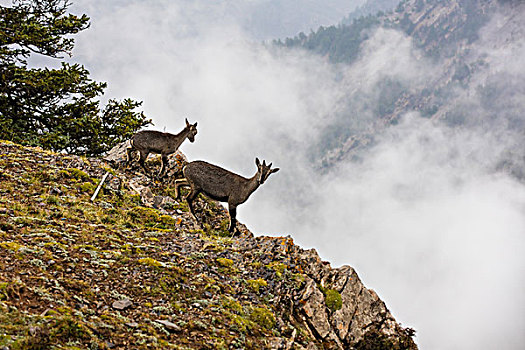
column 58, row 109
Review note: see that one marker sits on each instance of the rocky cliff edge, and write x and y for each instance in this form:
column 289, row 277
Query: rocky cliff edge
column 131, row 269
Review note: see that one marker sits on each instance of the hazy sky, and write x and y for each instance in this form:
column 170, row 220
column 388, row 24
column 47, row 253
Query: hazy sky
column 424, row 218
column 260, row 19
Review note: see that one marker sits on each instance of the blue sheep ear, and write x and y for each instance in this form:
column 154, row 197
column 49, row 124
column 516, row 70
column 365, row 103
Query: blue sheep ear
column 275, row 170
column 257, row 162
column 195, row 125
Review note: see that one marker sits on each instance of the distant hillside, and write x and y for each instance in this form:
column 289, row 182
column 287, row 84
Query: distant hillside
column 338, row 43
column 436, row 26
column 462, row 44
column 133, row 270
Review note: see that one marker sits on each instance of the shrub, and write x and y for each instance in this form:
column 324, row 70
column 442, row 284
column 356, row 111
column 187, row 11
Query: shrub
column 333, row 299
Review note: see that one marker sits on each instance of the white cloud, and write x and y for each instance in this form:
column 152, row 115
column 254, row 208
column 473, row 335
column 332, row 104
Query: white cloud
column 391, row 54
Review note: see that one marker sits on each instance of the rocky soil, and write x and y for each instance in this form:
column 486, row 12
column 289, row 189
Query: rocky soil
column 131, row 269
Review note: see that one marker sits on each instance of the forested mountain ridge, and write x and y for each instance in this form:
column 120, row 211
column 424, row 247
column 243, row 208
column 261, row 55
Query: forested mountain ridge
column 434, row 25
column 457, row 40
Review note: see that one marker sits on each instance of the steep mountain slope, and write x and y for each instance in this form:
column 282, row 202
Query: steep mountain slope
column 133, row 270
column 469, row 49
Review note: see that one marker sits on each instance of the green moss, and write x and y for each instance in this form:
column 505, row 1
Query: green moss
column 278, row 267
column 88, row 187
column 263, row 317
column 183, row 206
column 167, row 220
column 247, row 319
column 212, row 286
column 256, row 264
column 3, row 290
column 150, row 262
column 219, row 344
column 69, row 328
column 332, row 298
column 11, row 246
column 240, row 323
column 78, row 174
column 53, row 200
column 299, row 280
column 255, row 285
column 223, row 228
column 22, row 331
column 143, row 215
column 108, row 219
column 232, row 304
column 225, row 262
column 170, row 283
column 109, row 170
column 43, row 176
column 63, row 173
column 133, row 199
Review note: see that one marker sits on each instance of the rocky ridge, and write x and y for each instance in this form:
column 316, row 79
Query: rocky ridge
column 132, row 270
